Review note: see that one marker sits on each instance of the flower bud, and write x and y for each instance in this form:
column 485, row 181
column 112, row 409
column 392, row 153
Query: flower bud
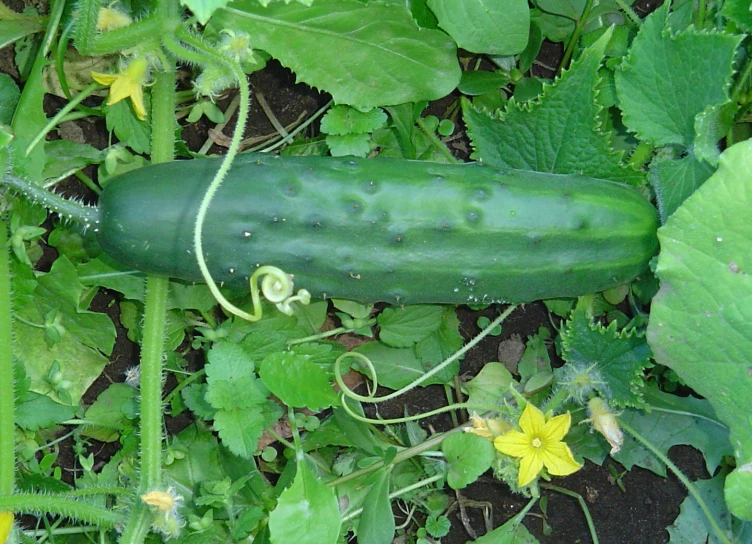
column 605, row 422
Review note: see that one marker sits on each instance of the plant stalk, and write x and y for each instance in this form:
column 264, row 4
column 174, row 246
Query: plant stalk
column 7, row 398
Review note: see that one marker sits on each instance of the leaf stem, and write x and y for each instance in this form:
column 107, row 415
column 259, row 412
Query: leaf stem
column 682, row 478
column 437, row 143
column 7, row 398
column 33, row 503
column 569, row 51
column 54, row 121
column 629, row 12
column 394, row 494
column 583, row 506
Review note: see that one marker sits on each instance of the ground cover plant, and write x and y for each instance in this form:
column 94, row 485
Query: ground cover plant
column 261, row 410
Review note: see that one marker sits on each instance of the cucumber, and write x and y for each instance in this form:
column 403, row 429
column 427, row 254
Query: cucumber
column 397, row 231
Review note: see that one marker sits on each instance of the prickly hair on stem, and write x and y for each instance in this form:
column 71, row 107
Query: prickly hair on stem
column 72, row 210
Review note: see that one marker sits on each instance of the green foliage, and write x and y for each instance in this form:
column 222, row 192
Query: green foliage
column 557, row 133
column 467, row 456
column 700, row 311
column 422, row 63
column 306, row 512
column 376, row 524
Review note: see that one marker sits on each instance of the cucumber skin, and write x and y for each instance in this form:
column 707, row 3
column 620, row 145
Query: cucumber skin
column 403, row 232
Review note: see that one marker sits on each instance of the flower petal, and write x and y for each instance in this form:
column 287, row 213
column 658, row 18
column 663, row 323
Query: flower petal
column 6, row 524
column 103, row 79
column 556, row 428
column 513, row 443
column 137, row 98
column 532, row 420
column 558, row 459
column 530, row 467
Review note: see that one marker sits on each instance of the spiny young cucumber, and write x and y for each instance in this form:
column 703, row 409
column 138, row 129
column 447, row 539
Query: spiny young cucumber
column 390, row 230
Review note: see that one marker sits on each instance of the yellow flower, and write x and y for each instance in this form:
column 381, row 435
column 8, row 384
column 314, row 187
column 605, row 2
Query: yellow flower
column 126, row 84
column 6, row 524
column 538, row 445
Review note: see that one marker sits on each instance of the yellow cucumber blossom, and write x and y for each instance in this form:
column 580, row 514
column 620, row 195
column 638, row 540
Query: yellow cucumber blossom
column 487, row 428
column 539, row 445
column 111, row 19
column 127, row 84
column 6, row 524
column 165, row 507
column 605, row 422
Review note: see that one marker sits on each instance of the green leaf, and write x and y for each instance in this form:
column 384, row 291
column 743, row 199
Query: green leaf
column 204, row 9
column 357, row 145
column 114, row 408
column 121, row 119
column 60, row 290
column 193, row 396
column 40, row 412
column 438, row 526
column 442, row 344
column 557, row 133
column 490, row 384
column 307, row 512
column 739, row 12
column 617, row 358
column 468, row 456
column 403, row 327
column 9, row 95
column 675, row 179
column 512, row 532
column 694, row 69
column 376, row 524
column 80, row 364
column 700, row 317
column 495, row 27
column 692, row 524
column 395, row 367
column 297, row 381
column 341, row 120
column 65, row 157
column 13, row 30
column 365, row 54
column 228, row 361
column 674, row 420
column 711, row 125
column 241, row 429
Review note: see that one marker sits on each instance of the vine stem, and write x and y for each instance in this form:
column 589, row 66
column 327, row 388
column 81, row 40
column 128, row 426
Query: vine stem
column 583, row 506
column 7, row 398
column 33, row 503
column 575, row 36
column 412, row 385
column 203, row 55
column 682, row 478
column 155, row 317
column 393, row 495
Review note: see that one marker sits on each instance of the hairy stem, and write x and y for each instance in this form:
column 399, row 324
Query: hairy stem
column 86, row 216
column 155, row 317
column 7, row 393
column 33, row 503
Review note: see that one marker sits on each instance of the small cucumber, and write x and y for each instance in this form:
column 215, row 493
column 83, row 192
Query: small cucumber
column 390, row 230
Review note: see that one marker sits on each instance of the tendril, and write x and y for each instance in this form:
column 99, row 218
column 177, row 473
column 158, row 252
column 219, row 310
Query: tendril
column 346, row 392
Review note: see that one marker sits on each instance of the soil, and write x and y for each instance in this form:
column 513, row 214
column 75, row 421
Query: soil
column 639, row 515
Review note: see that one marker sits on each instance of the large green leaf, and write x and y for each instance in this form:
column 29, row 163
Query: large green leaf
column 673, row 420
column 700, row 319
column 307, row 512
column 669, row 79
column 496, row 27
column 559, row 133
column 362, row 54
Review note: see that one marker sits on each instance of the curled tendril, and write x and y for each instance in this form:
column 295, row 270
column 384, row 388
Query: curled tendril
column 347, row 393
column 278, row 288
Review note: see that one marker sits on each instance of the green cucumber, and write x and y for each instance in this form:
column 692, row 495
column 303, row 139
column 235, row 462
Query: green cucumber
column 398, row 231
